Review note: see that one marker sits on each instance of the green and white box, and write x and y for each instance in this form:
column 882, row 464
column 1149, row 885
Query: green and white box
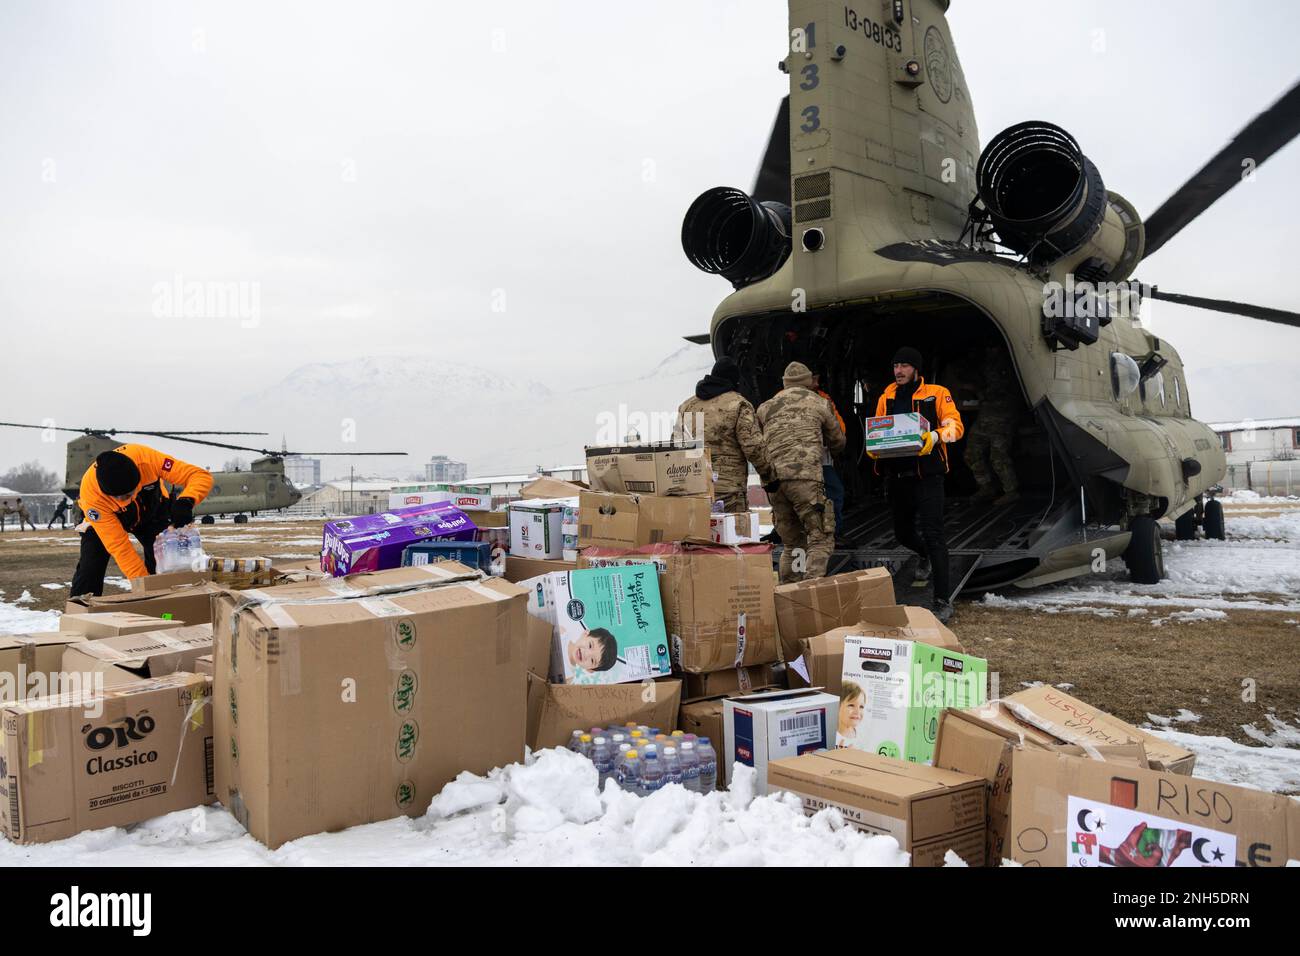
column 537, row 528
column 608, row 625
column 893, row 691
column 896, row 436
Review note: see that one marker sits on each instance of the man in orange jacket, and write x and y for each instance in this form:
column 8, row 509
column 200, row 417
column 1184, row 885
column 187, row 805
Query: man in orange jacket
column 915, row 485
column 123, row 492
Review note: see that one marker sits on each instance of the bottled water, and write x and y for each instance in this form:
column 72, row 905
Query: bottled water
column 575, row 741
column 178, row 549
column 652, row 773
column 584, row 745
column 672, row 766
column 628, row 775
column 690, row 766
column 708, row 765
column 602, row 755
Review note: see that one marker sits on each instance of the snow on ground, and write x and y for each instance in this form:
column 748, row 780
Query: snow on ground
column 1184, row 716
column 1218, row 758
column 1256, row 569
column 19, row 620
column 547, row 812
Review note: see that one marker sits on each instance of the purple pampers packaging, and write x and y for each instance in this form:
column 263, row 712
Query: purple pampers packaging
column 375, row 542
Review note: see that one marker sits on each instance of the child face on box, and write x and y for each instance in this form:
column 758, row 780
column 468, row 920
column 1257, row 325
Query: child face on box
column 852, row 707
column 586, row 651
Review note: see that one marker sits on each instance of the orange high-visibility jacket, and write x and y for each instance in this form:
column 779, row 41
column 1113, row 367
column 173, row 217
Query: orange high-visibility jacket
column 936, row 404
column 190, row 481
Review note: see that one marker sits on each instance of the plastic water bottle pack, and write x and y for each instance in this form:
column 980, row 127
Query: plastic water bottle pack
column 179, row 549
column 642, row 760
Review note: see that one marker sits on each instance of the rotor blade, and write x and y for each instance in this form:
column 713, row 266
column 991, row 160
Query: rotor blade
column 701, row 339
column 318, row 454
column 773, row 181
column 79, row 431
column 1263, row 136
column 177, row 431
column 1280, row 316
column 270, row 452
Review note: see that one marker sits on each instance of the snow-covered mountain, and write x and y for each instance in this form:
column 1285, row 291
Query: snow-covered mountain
column 425, row 405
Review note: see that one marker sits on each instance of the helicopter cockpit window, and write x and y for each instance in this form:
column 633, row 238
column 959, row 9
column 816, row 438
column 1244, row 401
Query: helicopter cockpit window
column 1124, row 375
column 1178, row 394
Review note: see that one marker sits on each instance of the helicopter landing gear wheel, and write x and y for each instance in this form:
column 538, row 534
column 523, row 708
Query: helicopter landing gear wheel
column 241, row 519
column 1145, row 555
column 207, row 519
column 1185, row 526
column 1214, row 521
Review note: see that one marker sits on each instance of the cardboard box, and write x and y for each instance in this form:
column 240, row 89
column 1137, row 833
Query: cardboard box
column 489, row 521
column 821, row 658
column 30, row 664
column 113, row 624
column 896, row 436
column 521, row 569
column 760, row 728
column 1070, row 720
column 148, row 750
column 555, row 711
column 472, row 554
column 1074, row 811
column 152, row 583
column 536, row 529
column 376, row 542
column 651, row 470
column 927, row 810
column 718, row 601
column 537, row 646
column 609, row 625
column 630, row 521
column 704, row 718
column 289, row 572
column 893, row 692
column 204, row 665
column 549, row 489
column 186, row 603
column 725, row 683
column 133, row 657
column 734, row 528
column 242, row 573
column 983, row 741
column 464, row 497
column 808, row 608
column 357, row 699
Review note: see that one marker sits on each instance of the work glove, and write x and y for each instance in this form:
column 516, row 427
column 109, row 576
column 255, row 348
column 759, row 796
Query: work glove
column 182, row 512
column 948, row 434
column 930, row 438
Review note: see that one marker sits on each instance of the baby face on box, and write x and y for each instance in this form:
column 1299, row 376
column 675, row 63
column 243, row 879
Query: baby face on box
column 609, row 626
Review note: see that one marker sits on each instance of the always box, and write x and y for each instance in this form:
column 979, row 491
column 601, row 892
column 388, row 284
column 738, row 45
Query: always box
column 376, row 542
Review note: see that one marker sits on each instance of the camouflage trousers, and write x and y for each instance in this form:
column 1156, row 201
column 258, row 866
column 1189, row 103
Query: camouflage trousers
column 734, row 501
column 805, row 520
column 988, row 452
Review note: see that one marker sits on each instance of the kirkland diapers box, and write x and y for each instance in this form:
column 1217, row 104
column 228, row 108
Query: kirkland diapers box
column 892, row 693
column 896, row 436
column 537, row 528
column 760, row 728
column 609, row 625
column 376, row 542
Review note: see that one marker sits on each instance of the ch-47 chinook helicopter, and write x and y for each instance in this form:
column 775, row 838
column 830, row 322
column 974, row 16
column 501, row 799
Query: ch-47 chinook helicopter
column 263, row 487
column 877, row 222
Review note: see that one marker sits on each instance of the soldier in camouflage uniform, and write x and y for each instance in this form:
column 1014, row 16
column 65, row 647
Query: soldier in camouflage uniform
column 724, row 419
column 988, row 441
column 799, row 427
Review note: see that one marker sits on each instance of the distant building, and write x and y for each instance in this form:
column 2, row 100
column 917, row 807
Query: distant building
column 1263, row 454
column 345, row 497
column 304, row 472
column 442, row 468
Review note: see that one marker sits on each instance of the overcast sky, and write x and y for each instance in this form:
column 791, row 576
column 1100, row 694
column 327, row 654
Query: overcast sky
column 502, row 184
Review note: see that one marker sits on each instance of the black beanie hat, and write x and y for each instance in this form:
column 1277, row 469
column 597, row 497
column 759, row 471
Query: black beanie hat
column 726, row 369
column 117, row 474
column 908, row 356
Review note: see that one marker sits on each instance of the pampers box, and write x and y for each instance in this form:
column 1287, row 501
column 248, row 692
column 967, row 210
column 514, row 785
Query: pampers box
column 376, row 542
column 893, row 691
column 609, row 624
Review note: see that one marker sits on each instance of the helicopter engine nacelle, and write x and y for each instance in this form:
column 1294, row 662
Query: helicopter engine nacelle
column 726, row 232
column 1047, row 202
